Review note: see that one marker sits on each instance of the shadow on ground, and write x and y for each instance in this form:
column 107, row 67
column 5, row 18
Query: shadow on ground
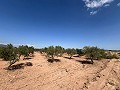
column 19, row 66
column 53, row 60
column 84, row 62
column 76, row 56
column 68, row 58
column 27, row 58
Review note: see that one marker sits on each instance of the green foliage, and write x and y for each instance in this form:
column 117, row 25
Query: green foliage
column 44, row 50
column 12, row 54
column 79, row 52
column 52, row 51
column 94, row 53
column 9, row 53
column 25, row 50
column 31, row 50
column 110, row 56
column 71, row 52
column 59, row 50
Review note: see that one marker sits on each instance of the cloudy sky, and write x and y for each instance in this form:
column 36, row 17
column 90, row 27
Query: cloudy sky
column 69, row 23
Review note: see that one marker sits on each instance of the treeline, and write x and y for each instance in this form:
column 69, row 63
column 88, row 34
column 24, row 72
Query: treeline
column 13, row 54
column 92, row 53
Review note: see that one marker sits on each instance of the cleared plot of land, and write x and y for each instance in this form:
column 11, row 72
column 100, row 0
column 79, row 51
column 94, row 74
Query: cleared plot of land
column 67, row 74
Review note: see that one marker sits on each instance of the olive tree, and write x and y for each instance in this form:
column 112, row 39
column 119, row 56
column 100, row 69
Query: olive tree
column 52, row 51
column 31, row 50
column 43, row 50
column 79, row 52
column 25, row 50
column 9, row 53
column 94, row 53
column 59, row 50
column 71, row 52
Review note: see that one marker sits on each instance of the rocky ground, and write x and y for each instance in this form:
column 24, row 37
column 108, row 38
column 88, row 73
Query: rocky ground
column 65, row 74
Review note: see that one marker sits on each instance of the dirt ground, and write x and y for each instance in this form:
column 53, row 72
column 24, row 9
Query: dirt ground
column 67, row 74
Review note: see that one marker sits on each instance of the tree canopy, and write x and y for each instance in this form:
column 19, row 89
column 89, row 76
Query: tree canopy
column 71, row 52
column 94, row 53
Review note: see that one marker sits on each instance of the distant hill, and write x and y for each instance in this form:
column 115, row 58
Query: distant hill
column 2, row 45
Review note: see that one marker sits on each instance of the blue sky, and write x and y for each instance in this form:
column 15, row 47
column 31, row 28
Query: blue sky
column 69, row 23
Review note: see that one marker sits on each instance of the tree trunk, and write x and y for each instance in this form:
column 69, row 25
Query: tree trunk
column 19, row 56
column 70, row 56
column 92, row 60
column 11, row 63
column 52, row 57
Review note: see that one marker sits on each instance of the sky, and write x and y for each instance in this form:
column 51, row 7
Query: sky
column 69, row 23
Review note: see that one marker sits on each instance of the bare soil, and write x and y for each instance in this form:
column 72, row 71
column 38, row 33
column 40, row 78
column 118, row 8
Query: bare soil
column 63, row 74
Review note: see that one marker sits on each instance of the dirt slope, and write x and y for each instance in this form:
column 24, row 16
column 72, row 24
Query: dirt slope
column 64, row 75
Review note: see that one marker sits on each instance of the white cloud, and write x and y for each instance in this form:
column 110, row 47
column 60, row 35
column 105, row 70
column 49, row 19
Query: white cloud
column 107, row 5
column 93, row 12
column 118, row 4
column 96, row 3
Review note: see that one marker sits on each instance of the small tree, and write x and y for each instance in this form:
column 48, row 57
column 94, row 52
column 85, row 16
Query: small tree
column 79, row 52
column 94, row 53
column 52, row 51
column 31, row 50
column 9, row 53
column 23, row 50
column 71, row 52
column 43, row 50
column 59, row 50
